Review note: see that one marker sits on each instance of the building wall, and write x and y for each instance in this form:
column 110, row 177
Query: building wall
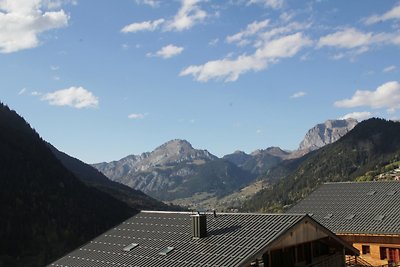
column 377, row 253
column 316, row 254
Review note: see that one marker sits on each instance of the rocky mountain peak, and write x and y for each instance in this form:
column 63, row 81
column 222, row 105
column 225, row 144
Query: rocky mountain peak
column 326, row 133
column 175, row 145
column 169, row 154
column 239, row 152
column 176, row 151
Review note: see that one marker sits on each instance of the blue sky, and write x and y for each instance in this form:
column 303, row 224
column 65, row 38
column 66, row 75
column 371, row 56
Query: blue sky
column 101, row 80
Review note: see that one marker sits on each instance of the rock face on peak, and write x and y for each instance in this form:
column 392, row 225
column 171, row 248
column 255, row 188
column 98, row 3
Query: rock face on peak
column 238, row 157
column 176, row 170
column 326, row 133
column 173, row 152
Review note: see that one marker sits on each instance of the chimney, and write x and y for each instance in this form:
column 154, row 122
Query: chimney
column 199, row 226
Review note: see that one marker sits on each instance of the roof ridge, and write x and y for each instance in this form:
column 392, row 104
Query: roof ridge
column 363, row 182
column 223, row 213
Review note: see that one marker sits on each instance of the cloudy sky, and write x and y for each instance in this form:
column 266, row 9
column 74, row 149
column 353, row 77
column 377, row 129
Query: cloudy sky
column 104, row 79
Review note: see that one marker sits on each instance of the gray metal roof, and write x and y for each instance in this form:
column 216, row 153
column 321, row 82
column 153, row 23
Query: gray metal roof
column 355, row 207
column 232, row 239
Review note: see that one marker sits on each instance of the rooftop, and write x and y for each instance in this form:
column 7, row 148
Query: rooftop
column 165, row 239
column 355, row 207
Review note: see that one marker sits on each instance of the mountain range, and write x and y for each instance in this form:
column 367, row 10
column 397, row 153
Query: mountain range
column 175, row 170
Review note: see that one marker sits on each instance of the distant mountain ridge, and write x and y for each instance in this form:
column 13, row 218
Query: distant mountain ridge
column 169, row 171
column 175, row 169
column 262, row 160
column 370, row 145
column 172, row 152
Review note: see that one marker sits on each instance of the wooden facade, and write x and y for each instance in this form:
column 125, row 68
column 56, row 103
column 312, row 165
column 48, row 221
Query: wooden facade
column 306, row 244
column 376, row 249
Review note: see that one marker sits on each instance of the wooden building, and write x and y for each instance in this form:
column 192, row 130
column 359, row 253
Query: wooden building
column 366, row 214
column 152, row 238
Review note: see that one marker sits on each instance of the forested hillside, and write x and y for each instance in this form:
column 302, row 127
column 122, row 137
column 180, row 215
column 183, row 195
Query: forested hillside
column 372, row 143
column 45, row 211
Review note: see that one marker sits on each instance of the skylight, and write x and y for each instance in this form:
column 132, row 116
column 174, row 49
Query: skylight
column 371, row 193
column 166, row 250
column 350, row 216
column 130, row 247
column 391, row 193
column 328, row 216
column 379, row 217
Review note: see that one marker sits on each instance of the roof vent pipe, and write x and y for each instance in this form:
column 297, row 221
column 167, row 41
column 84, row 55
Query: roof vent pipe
column 199, row 226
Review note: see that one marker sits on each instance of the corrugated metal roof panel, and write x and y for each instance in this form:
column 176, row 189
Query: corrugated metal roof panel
column 342, row 199
column 231, row 239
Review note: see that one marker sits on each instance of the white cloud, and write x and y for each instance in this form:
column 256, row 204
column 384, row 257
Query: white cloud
column 385, row 96
column 55, row 4
column 347, row 38
column 152, row 3
column 389, row 68
column 258, row 131
column 230, row 69
column 392, row 14
column 280, row 31
column 188, row 15
column 76, row 97
column 36, row 93
column 283, row 47
column 54, row 68
column 168, row 51
column 250, row 30
column 22, row 91
column 226, row 69
column 285, row 16
column 213, row 42
column 136, row 116
column 21, row 21
column 143, row 26
column 275, row 4
column 298, row 94
column 359, row 116
column 350, row 38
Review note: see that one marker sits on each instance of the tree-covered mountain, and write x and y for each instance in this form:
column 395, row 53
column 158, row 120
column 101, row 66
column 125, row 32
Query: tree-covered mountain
column 372, row 143
column 45, row 211
column 94, row 178
column 262, row 161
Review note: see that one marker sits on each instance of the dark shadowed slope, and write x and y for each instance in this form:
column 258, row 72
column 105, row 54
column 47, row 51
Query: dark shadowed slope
column 94, row 178
column 45, row 211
